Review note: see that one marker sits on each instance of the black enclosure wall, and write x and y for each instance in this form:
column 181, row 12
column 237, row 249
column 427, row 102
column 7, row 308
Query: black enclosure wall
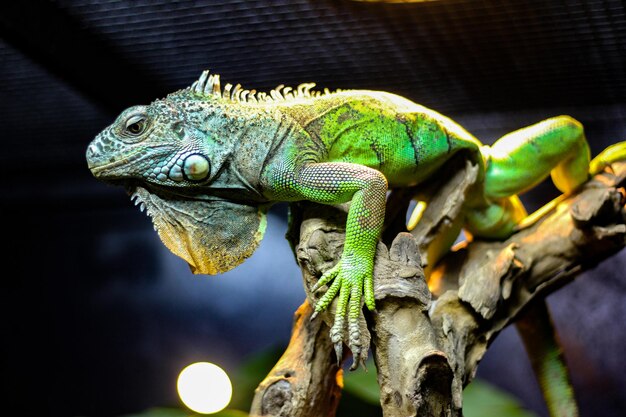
column 98, row 317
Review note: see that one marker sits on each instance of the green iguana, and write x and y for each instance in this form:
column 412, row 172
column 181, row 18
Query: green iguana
column 207, row 162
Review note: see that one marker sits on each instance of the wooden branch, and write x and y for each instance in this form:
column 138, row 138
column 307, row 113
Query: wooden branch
column 427, row 351
column 488, row 284
column 306, row 381
column 406, row 350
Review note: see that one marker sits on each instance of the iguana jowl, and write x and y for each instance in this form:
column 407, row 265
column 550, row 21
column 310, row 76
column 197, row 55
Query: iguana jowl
column 206, row 162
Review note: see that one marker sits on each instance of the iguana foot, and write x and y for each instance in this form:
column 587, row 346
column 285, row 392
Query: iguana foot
column 613, row 153
column 349, row 280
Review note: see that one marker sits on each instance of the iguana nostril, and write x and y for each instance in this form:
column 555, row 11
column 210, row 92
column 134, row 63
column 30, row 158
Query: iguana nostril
column 196, row 167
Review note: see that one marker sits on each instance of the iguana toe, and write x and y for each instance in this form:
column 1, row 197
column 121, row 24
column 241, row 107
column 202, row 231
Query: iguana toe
column 327, row 277
column 328, row 297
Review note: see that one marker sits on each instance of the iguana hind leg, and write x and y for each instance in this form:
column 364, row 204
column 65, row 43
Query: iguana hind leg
column 517, row 162
column 520, row 160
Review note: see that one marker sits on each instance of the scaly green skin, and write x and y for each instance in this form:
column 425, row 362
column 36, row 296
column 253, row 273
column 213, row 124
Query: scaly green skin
column 206, row 162
column 546, row 355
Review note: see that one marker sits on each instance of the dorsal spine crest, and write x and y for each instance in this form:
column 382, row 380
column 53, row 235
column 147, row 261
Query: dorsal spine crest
column 209, row 86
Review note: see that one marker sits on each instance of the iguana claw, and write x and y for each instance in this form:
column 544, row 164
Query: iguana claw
column 339, row 352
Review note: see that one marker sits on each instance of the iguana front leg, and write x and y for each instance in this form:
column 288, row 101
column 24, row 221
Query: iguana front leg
column 352, row 276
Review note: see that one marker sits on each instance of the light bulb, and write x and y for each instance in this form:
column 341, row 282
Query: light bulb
column 204, row 388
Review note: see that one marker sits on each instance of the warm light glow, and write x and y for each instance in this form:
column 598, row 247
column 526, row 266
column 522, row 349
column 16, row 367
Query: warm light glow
column 435, row 281
column 204, row 388
column 339, row 378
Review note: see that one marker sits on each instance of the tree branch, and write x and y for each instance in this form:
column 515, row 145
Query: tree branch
column 306, row 381
column 427, row 351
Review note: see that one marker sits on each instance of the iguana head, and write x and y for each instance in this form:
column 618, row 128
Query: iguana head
column 170, row 143
column 167, row 154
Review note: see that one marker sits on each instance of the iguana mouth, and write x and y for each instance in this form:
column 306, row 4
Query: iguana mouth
column 99, row 168
column 109, row 171
column 132, row 187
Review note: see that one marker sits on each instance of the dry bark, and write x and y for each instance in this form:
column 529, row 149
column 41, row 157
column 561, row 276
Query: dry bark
column 427, row 345
column 306, row 381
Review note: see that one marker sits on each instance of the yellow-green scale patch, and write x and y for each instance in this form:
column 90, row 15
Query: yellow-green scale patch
column 405, row 147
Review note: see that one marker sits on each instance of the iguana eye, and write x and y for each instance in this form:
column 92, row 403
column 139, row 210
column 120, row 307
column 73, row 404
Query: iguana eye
column 136, row 125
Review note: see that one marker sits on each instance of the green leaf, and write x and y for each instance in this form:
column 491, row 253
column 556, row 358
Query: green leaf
column 163, row 412
column 176, row 412
column 481, row 399
column 362, row 384
column 230, row 413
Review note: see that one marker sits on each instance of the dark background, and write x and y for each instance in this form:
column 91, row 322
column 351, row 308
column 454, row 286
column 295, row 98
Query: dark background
column 98, row 317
